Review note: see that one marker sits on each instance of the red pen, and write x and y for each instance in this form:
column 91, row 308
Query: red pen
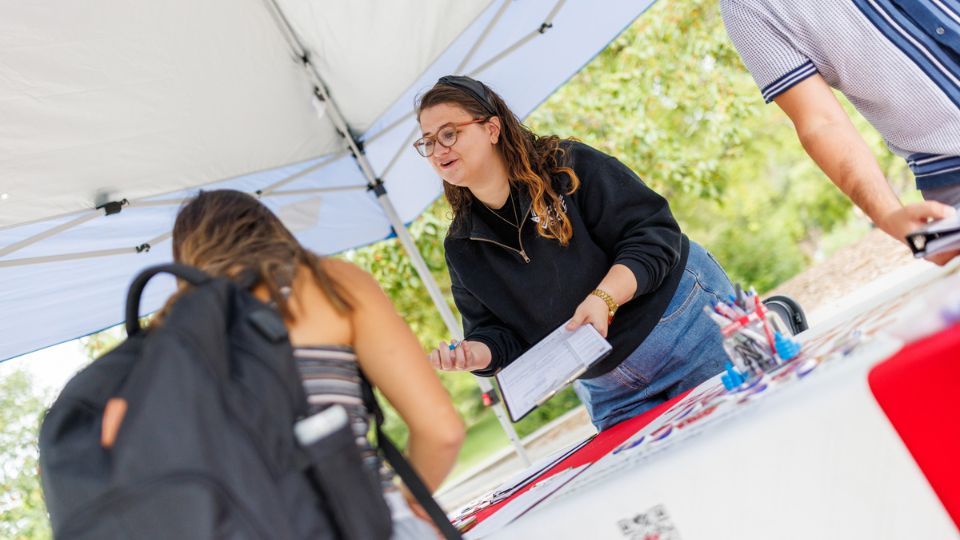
column 762, row 314
column 726, row 311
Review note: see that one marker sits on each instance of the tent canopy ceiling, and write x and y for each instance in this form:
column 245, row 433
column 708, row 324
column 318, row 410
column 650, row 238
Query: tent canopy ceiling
column 145, row 102
column 139, row 98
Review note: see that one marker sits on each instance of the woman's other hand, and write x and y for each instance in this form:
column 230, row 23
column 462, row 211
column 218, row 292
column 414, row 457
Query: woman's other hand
column 465, row 356
column 593, row 310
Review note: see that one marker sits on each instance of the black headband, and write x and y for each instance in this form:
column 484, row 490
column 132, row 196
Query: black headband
column 473, row 87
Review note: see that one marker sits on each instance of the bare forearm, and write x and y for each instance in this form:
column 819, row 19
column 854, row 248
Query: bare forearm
column 844, row 157
column 620, row 283
column 833, row 142
column 830, row 138
column 433, row 457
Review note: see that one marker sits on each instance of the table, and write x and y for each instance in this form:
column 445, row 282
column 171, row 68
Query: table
column 863, row 445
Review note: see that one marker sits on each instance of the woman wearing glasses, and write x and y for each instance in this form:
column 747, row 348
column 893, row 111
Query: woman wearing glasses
column 549, row 231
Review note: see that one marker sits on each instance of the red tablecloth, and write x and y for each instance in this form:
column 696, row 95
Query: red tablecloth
column 600, row 446
column 918, row 389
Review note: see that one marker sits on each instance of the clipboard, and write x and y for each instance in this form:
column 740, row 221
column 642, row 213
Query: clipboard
column 935, row 237
column 548, row 367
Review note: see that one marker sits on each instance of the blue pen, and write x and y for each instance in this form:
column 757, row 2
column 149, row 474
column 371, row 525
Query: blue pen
column 453, row 344
column 739, row 297
column 732, row 304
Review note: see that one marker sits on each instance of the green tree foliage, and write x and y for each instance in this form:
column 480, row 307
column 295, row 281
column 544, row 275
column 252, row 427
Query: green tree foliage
column 22, row 511
column 96, row 345
column 671, row 99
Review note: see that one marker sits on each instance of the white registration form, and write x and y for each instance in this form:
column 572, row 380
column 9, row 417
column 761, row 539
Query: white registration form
column 548, row 367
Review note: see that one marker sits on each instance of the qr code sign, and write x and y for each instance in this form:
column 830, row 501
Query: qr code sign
column 654, row 524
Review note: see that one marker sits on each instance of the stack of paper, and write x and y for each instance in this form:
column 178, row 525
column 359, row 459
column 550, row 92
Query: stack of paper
column 531, row 473
column 939, row 236
column 524, row 503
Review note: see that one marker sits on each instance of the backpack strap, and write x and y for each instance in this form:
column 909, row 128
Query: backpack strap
column 403, row 468
column 182, row 271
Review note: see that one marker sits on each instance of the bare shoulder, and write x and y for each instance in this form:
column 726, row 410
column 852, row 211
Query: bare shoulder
column 339, row 269
column 355, row 280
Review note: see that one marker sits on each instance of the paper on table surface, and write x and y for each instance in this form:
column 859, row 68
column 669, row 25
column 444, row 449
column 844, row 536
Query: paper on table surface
column 518, row 481
column 524, row 477
column 548, row 366
column 523, row 503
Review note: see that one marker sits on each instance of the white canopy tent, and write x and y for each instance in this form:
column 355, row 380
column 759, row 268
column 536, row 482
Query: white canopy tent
column 111, row 113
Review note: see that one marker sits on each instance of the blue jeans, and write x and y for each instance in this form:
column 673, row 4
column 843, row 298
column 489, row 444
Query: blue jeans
column 683, row 350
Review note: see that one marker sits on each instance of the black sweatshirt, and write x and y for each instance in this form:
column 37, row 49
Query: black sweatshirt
column 510, row 299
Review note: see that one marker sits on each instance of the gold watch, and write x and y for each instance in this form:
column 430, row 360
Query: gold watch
column 611, row 304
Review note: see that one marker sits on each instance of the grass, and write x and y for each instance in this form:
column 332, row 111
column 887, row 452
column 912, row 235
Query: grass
column 484, row 438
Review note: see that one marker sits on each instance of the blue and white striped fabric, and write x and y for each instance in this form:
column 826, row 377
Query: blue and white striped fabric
column 897, row 61
column 788, row 80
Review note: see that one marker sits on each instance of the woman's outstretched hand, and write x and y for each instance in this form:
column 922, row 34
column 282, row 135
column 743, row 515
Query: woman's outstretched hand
column 465, row 356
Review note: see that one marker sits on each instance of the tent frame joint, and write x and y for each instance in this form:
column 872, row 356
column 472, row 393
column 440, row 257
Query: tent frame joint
column 377, row 187
column 113, row 207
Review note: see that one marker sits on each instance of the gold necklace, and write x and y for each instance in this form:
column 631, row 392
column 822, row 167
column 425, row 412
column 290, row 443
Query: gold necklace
column 513, row 205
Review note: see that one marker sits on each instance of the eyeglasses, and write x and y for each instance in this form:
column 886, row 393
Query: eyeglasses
column 446, row 137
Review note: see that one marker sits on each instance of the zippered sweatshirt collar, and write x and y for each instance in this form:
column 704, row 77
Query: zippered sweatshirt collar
column 470, row 225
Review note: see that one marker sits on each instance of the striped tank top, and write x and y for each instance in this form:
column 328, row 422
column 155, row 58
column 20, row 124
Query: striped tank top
column 331, row 376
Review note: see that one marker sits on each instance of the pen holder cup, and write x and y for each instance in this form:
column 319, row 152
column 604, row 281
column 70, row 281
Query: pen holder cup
column 749, row 350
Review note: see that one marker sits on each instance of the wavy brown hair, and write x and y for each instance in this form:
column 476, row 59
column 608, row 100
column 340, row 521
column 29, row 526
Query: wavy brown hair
column 531, row 160
column 226, row 232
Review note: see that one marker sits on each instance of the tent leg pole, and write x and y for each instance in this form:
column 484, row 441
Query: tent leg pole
column 376, row 185
column 446, row 313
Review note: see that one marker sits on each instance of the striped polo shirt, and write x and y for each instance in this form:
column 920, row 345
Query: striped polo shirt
column 897, row 61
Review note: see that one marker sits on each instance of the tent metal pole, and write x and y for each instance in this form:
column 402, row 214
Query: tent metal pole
column 280, row 183
column 314, row 191
column 476, row 45
column 68, row 257
column 76, row 256
column 356, row 148
column 445, row 312
column 76, row 222
column 544, row 26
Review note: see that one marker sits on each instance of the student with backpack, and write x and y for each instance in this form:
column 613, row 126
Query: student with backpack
column 341, row 326
column 243, row 410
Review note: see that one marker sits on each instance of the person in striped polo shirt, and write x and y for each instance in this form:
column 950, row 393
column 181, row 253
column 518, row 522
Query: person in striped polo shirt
column 897, row 61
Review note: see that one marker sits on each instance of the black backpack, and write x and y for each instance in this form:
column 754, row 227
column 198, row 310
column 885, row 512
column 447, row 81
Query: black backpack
column 206, row 446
